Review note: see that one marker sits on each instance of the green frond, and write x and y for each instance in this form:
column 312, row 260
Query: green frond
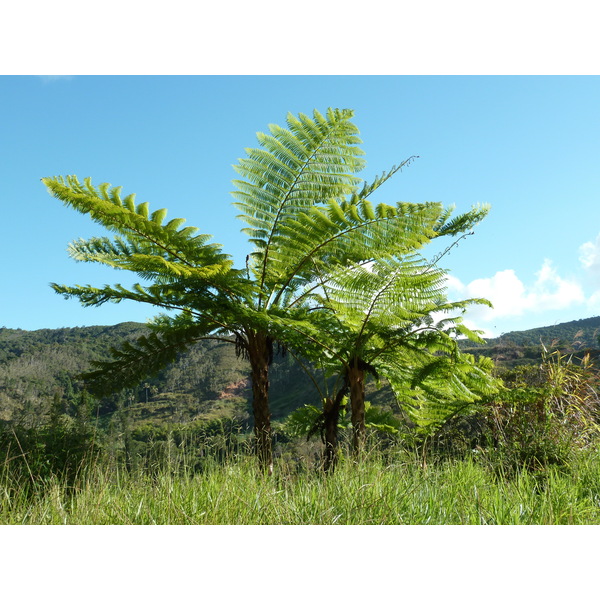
column 461, row 223
column 447, row 385
column 152, row 247
column 92, row 296
column 136, row 361
column 345, row 233
column 142, row 259
column 310, row 162
column 369, row 188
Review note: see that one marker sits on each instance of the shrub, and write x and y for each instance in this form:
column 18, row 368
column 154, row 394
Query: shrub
column 545, row 414
column 59, row 449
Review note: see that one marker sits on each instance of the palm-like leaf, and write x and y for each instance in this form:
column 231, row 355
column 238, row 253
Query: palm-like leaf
column 311, row 161
column 145, row 235
column 441, row 387
column 343, row 234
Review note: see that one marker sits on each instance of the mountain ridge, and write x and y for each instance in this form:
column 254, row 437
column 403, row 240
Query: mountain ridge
column 41, row 366
column 579, row 332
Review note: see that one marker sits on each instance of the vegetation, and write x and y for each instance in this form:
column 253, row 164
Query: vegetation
column 71, row 464
column 336, row 326
column 520, row 348
column 310, row 223
column 386, row 489
column 378, row 320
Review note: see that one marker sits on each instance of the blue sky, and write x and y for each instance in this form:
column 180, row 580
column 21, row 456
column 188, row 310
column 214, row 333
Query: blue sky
column 529, row 146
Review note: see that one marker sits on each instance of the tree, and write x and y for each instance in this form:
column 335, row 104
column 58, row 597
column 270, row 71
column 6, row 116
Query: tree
column 391, row 319
column 306, row 214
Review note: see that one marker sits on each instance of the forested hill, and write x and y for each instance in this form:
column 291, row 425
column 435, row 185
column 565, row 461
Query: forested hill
column 574, row 334
column 525, row 347
column 40, row 367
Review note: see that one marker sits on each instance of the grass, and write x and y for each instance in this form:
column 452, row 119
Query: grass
column 379, row 490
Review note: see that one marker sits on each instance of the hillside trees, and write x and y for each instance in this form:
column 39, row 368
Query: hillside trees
column 306, row 215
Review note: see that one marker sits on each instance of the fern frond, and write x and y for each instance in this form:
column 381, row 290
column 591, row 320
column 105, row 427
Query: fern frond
column 311, row 161
column 345, row 233
column 182, row 247
column 461, row 223
column 92, row 296
column 443, row 387
column 369, row 188
column 136, row 361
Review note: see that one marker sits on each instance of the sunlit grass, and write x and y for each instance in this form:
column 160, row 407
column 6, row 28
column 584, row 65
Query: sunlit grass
column 373, row 491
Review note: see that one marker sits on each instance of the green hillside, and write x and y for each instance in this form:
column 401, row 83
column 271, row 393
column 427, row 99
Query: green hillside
column 574, row 335
column 39, row 368
column 209, row 382
column 525, row 347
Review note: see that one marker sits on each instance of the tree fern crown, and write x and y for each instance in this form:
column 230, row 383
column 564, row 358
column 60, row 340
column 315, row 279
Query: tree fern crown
column 310, row 162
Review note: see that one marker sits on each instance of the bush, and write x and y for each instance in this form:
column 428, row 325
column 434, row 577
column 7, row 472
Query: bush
column 544, row 415
column 59, row 449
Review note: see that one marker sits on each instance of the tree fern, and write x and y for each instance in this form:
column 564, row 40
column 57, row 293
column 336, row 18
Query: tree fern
column 319, row 248
column 383, row 319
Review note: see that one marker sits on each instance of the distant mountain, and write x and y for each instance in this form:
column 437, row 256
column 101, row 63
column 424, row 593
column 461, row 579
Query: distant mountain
column 573, row 335
column 208, row 382
column 525, row 347
column 39, row 368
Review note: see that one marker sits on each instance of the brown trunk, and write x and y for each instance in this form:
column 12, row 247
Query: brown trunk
column 331, row 415
column 356, row 381
column 259, row 354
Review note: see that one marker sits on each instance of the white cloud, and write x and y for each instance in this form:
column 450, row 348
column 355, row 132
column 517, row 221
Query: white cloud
column 589, row 256
column 551, row 291
column 512, row 298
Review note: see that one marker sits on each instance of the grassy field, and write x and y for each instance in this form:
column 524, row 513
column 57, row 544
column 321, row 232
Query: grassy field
column 380, row 490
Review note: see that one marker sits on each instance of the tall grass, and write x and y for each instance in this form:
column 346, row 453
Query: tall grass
column 381, row 489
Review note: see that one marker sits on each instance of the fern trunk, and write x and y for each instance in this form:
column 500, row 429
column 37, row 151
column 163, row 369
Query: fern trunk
column 356, row 382
column 330, row 435
column 330, row 426
column 260, row 355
